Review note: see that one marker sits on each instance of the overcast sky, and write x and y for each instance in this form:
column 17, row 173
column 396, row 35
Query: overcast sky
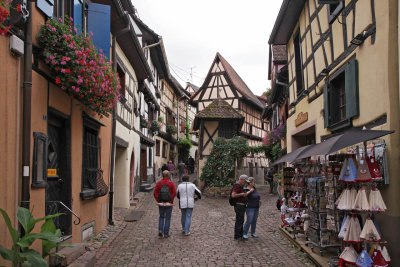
column 195, row 30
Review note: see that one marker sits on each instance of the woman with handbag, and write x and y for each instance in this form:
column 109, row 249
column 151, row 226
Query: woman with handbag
column 186, row 192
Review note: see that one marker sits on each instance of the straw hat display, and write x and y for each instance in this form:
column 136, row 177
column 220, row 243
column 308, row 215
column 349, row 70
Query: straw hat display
column 376, row 202
column 361, row 201
column 349, row 255
column 349, row 171
column 369, row 231
column 364, row 260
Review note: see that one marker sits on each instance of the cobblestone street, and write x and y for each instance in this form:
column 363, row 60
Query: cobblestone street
column 210, row 243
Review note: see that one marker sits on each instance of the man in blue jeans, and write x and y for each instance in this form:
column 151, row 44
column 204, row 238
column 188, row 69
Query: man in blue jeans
column 165, row 201
column 240, row 207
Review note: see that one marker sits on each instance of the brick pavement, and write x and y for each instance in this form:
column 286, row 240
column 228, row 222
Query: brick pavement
column 210, row 243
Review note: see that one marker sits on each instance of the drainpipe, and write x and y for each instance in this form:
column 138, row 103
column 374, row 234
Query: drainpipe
column 113, row 129
column 26, row 113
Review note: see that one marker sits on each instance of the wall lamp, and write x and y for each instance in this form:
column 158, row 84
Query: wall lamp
column 359, row 39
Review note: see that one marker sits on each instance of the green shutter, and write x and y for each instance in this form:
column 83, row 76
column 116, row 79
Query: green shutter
column 326, row 105
column 351, row 87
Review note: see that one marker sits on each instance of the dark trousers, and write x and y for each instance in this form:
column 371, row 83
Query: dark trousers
column 240, row 211
column 271, row 185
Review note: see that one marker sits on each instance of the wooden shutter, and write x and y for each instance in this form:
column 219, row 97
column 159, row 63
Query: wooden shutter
column 351, row 86
column 78, row 15
column 326, row 105
column 46, row 6
column 99, row 24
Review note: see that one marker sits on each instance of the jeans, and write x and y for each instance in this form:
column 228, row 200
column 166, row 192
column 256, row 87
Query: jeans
column 165, row 219
column 239, row 220
column 252, row 216
column 180, row 174
column 186, row 219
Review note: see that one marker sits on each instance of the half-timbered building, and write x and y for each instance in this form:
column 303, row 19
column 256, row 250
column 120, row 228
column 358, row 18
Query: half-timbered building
column 190, row 111
column 343, row 73
column 222, row 82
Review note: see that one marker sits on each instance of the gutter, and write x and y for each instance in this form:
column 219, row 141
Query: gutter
column 26, row 113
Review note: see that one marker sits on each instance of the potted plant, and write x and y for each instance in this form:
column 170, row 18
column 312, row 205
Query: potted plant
column 171, row 129
column 155, row 126
column 144, row 123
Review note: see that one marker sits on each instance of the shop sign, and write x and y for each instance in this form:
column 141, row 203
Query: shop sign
column 301, row 118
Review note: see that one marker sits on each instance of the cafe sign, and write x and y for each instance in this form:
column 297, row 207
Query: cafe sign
column 301, row 118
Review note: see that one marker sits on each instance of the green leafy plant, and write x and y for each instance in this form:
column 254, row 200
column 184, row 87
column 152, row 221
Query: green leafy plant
column 171, row 129
column 184, row 145
column 220, row 166
column 144, row 123
column 21, row 254
column 79, row 68
column 160, row 119
column 155, row 126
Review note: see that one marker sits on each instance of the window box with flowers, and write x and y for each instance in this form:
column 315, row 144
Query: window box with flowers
column 273, row 149
column 171, row 129
column 79, row 69
column 144, row 123
column 7, row 21
column 155, row 126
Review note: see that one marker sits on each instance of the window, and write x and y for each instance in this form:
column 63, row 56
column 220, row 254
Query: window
column 158, row 148
column 39, row 168
column 164, row 149
column 92, row 175
column 121, row 75
column 334, row 10
column 341, row 101
column 150, row 161
column 298, row 63
column 227, row 129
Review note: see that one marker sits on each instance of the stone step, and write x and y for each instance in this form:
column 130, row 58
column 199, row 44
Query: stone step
column 134, row 203
column 70, row 255
column 86, row 260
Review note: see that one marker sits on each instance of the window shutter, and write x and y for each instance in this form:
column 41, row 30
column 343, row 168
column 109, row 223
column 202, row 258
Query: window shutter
column 351, row 85
column 322, row 2
column 46, row 6
column 99, row 24
column 78, row 15
column 326, row 105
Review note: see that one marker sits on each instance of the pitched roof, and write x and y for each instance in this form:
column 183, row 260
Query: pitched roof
column 218, row 109
column 238, row 82
column 279, row 53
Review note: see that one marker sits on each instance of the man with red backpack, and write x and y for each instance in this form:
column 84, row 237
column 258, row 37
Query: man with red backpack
column 164, row 194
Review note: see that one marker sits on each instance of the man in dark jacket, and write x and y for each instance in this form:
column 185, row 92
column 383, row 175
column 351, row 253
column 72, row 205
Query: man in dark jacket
column 164, row 207
column 240, row 207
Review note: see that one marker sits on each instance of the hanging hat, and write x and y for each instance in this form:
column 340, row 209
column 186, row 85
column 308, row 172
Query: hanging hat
column 341, row 201
column 369, row 231
column 385, row 254
column 363, row 174
column 361, row 201
column 351, row 198
column 353, row 233
column 376, row 224
column 378, row 259
column 349, row 255
column 374, row 168
column 376, row 202
column 344, row 227
column 364, row 260
column 349, row 171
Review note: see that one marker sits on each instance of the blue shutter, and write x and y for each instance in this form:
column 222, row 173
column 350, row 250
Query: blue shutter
column 351, row 87
column 46, row 6
column 326, row 105
column 99, row 17
column 78, row 15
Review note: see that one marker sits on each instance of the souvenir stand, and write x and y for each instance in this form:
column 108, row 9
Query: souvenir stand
column 337, row 198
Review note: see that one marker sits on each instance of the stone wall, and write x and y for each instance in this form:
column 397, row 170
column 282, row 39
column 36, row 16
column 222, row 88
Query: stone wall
column 217, row 192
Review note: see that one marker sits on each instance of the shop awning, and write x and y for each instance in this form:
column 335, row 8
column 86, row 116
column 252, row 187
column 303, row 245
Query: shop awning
column 346, row 139
column 292, row 155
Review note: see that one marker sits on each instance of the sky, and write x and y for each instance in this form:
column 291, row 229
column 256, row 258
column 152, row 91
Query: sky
column 193, row 32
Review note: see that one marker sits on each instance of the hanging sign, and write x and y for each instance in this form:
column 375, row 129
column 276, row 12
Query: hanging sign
column 301, row 118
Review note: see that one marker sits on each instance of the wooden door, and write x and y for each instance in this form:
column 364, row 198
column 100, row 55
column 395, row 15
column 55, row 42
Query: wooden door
column 143, row 165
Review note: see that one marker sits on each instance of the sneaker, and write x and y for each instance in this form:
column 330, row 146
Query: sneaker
column 245, row 237
column 160, row 234
column 254, row 235
column 166, row 235
column 188, row 233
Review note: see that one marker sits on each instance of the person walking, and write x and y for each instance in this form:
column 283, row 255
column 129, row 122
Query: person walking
column 181, row 170
column 270, row 179
column 252, row 209
column 191, row 164
column 185, row 193
column 164, row 194
column 240, row 207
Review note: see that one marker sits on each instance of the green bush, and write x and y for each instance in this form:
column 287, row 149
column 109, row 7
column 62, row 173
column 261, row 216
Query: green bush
column 184, row 145
column 171, row 129
column 21, row 254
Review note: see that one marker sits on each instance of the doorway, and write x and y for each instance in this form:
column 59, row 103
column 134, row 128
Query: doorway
column 143, row 165
column 58, row 189
column 132, row 175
